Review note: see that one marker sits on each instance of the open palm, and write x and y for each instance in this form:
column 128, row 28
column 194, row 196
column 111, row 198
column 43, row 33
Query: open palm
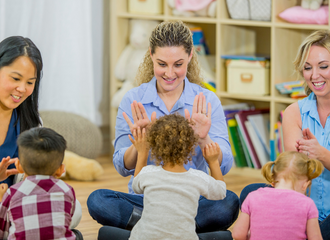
column 140, row 117
column 200, row 117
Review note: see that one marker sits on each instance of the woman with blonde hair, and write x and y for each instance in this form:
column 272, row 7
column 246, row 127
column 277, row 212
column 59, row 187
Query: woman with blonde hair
column 283, row 211
column 170, row 82
column 306, row 126
column 306, row 123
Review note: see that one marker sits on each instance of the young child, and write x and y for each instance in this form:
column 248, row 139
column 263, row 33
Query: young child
column 171, row 193
column 282, row 212
column 41, row 206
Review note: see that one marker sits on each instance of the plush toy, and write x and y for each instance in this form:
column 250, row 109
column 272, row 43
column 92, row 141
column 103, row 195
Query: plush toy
column 89, row 169
column 193, row 8
column 132, row 56
column 84, row 143
column 313, row 4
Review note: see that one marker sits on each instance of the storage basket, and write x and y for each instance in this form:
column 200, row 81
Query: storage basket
column 248, row 77
column 145, row 6
column 258, row 10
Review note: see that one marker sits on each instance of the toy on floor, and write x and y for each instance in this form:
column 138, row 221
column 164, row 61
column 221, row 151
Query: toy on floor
column 132, row 56
column 193, row 8
column 84, row 143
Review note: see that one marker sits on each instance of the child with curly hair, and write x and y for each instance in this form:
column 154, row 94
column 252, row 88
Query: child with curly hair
column 171, row 193
column 282, row 212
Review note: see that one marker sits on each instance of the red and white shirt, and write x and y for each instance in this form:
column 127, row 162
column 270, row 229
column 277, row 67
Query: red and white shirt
column 40, row 207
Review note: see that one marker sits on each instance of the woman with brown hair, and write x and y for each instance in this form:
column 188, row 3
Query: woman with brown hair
column 170, row 82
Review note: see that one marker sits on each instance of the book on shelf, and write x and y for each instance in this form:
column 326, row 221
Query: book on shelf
column 237, row 147
column 261, row 152
column 241, row 118
column 241, row 157
column 261, row 125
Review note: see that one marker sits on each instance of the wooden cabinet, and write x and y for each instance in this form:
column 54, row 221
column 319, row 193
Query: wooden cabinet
column 224, row 35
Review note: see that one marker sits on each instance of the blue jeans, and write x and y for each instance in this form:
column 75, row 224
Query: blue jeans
column 113, row 208
column 324, row 225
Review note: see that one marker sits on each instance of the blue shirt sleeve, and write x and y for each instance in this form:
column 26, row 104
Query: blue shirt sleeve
column 122, row 141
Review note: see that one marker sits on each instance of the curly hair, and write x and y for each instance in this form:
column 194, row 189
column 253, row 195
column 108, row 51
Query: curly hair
column 319, row 38
column 292, row 165
column 172, row 140
column 168, row 34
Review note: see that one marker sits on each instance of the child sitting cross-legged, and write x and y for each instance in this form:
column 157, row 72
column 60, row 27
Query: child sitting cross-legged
column 171, row 193
column 282, row 211
column 41, row 206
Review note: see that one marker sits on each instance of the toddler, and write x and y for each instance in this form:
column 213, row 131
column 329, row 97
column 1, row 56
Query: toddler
column 282, row 212
column 41, row 206
column 171, row 193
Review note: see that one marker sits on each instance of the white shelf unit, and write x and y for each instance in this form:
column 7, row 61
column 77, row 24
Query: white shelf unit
column 224, row 35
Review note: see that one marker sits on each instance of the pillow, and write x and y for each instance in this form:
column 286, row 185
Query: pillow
column 298, row 14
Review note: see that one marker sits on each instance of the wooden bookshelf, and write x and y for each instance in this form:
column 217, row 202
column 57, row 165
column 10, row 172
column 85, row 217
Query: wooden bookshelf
column 224, row 35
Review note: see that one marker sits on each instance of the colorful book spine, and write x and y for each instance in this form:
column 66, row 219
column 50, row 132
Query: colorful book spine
column 238, row 151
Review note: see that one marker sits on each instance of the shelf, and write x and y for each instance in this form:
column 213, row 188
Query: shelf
column 245, row 97
column 300, row 26
column 193, row 19
column 225, row 36
column 246, row 23
column 141, row 16
column 285, row 100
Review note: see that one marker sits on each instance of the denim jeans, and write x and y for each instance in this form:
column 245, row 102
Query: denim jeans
column 113, row 208
column 324, row 225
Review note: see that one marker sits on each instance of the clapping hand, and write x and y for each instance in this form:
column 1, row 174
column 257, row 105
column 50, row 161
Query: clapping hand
column 4, row 172
column 200, row 117
column 140, row 117
column 309, row 144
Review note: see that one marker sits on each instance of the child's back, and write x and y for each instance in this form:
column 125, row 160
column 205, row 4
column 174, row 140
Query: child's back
column 278, row 213
column 171, row 193
column 171, row 201
column 40, row 207
column 282, row 212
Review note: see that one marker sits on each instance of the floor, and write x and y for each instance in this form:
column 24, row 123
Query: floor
column 236, row 180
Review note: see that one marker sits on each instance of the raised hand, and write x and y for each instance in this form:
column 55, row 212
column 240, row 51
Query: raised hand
column 142, row 147
column 211, row 152
column 140, row 117
column 201, row 116
column 139, row 141
column 4, row 172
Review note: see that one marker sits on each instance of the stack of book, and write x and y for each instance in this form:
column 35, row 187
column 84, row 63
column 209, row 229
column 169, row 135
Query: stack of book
column 295, row 89
column 248, row 130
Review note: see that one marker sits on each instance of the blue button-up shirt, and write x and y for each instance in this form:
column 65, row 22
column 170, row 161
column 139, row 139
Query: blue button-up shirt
column 320, row 190
column 147, row 94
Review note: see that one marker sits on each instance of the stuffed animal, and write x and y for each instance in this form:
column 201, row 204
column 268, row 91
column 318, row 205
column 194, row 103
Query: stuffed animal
column 313, row 4
column 193, row 8
column 89, row 169
column 84, row 143
column 132, row 56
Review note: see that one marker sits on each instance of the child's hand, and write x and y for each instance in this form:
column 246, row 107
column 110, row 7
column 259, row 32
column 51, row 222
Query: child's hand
column 139, row 141
column 3, row 189
column 211, row 152
column 4, row 172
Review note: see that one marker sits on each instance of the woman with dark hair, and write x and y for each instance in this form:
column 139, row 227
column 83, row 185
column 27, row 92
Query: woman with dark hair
column 20, row 74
